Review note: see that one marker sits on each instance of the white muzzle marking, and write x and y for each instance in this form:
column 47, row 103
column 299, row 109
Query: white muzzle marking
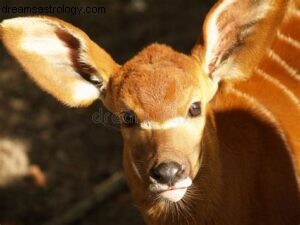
column 174, row 193
column 154, row 125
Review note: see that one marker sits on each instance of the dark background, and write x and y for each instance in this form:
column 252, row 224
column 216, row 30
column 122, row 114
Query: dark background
column 74, row 152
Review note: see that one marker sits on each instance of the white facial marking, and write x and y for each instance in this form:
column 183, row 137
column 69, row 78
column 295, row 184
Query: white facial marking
column 174, row 193
column 154, row 125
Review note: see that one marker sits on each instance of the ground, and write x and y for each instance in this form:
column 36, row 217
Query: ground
column 74, row 151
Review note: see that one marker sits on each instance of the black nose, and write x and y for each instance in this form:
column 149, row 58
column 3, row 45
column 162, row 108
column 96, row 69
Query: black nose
column 167, row 172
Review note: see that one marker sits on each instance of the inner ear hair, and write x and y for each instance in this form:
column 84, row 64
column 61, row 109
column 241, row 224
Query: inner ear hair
column 86, row 71
column 236, row 34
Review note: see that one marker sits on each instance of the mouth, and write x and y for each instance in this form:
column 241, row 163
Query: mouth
column 173, row 193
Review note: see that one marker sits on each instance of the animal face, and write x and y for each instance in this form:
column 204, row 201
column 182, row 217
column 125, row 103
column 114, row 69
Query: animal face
column 163, row 116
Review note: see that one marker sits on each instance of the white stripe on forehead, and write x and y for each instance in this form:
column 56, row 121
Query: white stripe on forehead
column 154, row 125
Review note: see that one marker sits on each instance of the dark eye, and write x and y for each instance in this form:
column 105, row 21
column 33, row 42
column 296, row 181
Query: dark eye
column 195, row 109
column 128, row 118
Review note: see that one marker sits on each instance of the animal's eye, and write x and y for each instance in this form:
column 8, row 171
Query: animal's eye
column 128, row 118
column 195, row 109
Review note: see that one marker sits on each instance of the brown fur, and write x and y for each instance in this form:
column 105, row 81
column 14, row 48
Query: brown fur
column 253, row 160
column 242, row 152
column 161, row 77
column 286, row 109
column 248, row 176
column 91, row 55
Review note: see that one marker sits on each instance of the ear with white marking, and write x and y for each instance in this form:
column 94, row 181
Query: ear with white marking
column 236, row 34
column 59, row 57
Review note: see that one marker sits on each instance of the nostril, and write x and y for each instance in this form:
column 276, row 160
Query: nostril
column 183, row 172
column 154, row 173
column 166, row 173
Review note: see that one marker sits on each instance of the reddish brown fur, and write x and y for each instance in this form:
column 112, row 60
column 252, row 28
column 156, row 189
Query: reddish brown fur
column 260, row 174
column 242, row 152
column 161, row 77
column 251, row 171
column 286, row 110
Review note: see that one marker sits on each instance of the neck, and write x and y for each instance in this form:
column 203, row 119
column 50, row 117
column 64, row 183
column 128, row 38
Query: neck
column 201, row 202
column 234, row 175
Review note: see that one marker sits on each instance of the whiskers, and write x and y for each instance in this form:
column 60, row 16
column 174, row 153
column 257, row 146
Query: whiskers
column 139, row 169
column 181, row 212
column 193, row 194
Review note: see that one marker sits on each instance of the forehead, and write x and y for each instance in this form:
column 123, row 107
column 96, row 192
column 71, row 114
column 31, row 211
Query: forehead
column 158, row 83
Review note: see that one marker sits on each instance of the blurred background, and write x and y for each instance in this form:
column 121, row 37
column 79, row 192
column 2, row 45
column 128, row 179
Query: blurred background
column 75, row 153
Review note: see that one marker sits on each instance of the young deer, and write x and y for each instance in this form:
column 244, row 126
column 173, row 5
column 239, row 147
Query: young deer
column 209, row 138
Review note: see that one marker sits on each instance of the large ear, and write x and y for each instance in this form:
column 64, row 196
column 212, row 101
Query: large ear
column 59, row 57
column 236, row 33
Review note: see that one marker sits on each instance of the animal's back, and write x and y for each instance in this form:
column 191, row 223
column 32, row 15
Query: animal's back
column 275, row 83
column 272, row 95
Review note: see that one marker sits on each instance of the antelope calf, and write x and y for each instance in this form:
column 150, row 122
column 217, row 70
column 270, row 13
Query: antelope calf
column 209, row 138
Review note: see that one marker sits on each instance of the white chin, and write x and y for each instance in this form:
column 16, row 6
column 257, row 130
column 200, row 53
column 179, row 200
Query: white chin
column 174, row 195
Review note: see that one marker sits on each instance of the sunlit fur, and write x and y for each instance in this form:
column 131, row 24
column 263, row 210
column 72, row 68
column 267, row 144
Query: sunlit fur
column 278, row 78
column 57, row 48
column 242, row 152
